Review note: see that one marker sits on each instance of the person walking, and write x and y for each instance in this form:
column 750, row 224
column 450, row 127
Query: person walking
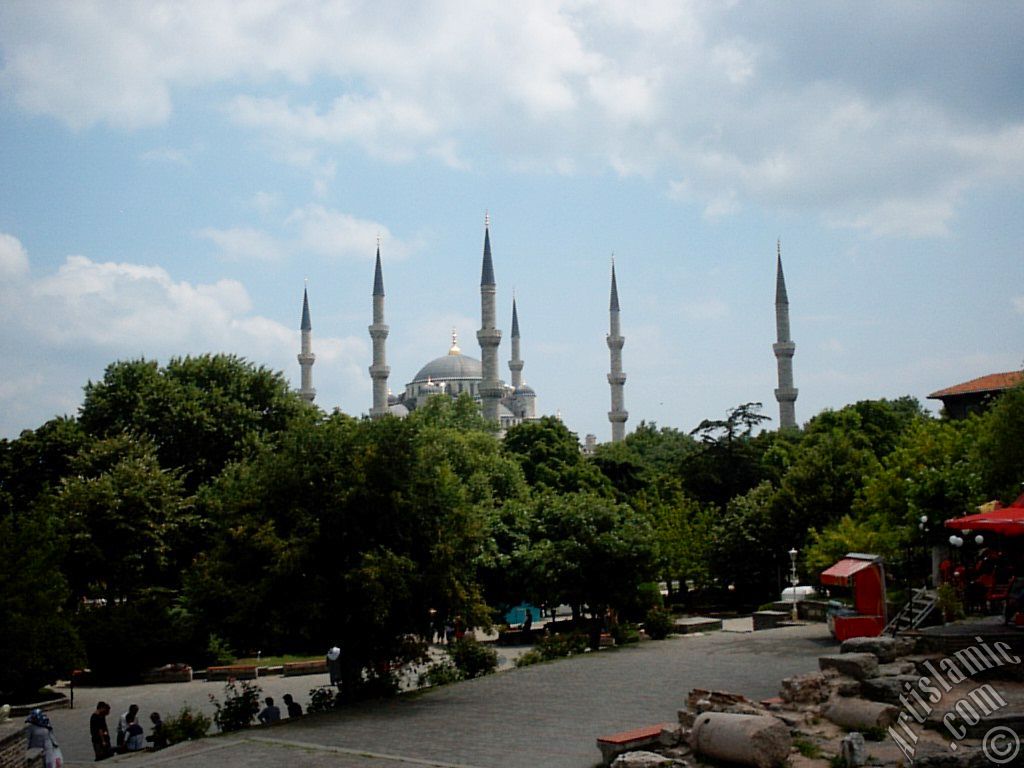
column 334, row 665
column 40, row 736
column 98, row 731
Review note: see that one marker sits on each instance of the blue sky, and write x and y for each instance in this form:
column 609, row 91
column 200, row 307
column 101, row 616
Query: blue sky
column 170, row 173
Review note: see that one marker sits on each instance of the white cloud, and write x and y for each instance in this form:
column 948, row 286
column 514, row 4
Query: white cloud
column 335, row 234
column 1018, row 304
column 240, row 244
column 65, row 327
column 707, row 96
column 168, row 155
column 705, row 309
column 13, row 259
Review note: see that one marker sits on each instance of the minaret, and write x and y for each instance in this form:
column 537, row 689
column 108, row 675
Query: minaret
column 491, row 387
column 306, row 356
column 515, row 364
column 379, row 370
column 616, row 378
column 784, row 349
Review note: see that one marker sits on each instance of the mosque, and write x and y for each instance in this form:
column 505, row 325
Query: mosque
column 514, row 403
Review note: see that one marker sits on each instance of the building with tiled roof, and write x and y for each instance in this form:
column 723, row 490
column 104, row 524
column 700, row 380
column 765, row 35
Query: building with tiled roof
column 975, row 396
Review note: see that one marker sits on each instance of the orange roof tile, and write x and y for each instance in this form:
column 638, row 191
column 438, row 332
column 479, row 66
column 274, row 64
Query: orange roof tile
column 994, row 382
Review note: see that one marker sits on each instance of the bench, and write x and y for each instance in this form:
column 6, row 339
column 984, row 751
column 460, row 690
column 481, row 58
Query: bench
column 235, row 671
column 295, row 668
column 629, row 741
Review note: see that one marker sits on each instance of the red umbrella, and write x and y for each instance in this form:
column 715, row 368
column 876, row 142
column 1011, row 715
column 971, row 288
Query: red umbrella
column 1009, row 521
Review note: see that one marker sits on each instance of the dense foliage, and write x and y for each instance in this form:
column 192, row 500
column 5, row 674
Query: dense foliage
column 200, row 507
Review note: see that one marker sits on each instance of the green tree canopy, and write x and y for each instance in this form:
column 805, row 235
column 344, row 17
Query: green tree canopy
column 199, row 412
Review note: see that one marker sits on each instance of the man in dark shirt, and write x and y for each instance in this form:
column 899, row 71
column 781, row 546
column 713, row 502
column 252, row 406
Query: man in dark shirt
column 157, row 735
column 98, row 731
column 294, row 708
column 270, row 713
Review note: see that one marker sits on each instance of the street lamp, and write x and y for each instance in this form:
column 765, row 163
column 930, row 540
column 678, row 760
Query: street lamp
column 793, row 578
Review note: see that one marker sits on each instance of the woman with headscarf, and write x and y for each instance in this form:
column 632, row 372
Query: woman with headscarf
column 40, row 736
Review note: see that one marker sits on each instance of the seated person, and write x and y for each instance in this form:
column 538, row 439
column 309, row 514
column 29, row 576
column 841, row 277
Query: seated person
column 270, row 713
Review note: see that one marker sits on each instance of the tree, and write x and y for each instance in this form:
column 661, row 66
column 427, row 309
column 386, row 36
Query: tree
column 747, row 551
column 587, row 551
column 728, row 462
column 199, row 412
column 550, row 457
column 122, row 515
column 345, row 533
column 999, row 455
column 38, row 643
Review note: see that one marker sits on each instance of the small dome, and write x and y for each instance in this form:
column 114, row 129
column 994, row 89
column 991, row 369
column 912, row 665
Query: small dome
column 399, row 410
column 450, row 366
column 525, row 390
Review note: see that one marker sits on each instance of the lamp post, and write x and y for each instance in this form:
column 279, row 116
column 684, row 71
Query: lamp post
column 793, row 578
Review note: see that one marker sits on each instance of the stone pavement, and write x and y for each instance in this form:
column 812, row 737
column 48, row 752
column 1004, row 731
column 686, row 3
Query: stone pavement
column 543, row 715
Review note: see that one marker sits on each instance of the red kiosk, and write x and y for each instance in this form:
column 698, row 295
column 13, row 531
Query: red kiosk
column 865, row 575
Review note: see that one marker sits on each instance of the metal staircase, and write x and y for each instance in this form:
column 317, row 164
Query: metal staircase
column 911, row 615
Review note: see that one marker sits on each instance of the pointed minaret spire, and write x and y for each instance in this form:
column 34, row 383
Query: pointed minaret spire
column 616, row 378
column 491, row 387
column 783, row 348
column 515, row 364
column 613, row 303
column 306, row 357
column 487, row 272
column 379, row 369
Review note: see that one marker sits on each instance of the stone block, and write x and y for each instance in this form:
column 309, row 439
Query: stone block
column 812, row 688
column 756, row 740
column 853, row 750
column 643, row 760
column 860, row 714
column 887, row 689
column 885, row 648
column 859, row 666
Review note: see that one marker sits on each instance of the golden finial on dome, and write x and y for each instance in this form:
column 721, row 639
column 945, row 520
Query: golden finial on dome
column 455, row 344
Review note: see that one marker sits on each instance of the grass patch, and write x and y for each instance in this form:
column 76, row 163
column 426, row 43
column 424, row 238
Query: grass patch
column 807, row 748
column 275, row 661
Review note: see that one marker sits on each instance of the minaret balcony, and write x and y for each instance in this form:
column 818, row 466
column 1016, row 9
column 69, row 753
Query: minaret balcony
column 784, row 348
column 618, row 417
column 380, row 371
column 488, row 337
column 786, row 395
column 615, row 342
column 617, row 379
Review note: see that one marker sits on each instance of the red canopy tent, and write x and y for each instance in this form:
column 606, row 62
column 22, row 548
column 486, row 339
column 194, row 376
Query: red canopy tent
column 1008, row 521
column 865, row 575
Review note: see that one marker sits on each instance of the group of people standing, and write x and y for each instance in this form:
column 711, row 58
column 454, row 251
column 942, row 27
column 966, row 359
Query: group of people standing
column 129, row 737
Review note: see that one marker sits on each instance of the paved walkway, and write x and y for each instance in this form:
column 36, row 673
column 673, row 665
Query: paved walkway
column 547, row 714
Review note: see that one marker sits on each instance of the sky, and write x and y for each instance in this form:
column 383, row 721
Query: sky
column 173, row 173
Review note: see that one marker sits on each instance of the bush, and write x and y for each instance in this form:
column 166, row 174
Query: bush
column 441, row 673
column 557, row 646
column 187, row 725
column 240, row 707
column 658, row 623
column 322, row 699
column 625, row 632
column 218, row 651
column 532, row 656
column 472, row 658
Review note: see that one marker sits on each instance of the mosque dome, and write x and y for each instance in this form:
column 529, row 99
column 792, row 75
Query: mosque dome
column 454, row 365
column 448, row 367
column 525, row 390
